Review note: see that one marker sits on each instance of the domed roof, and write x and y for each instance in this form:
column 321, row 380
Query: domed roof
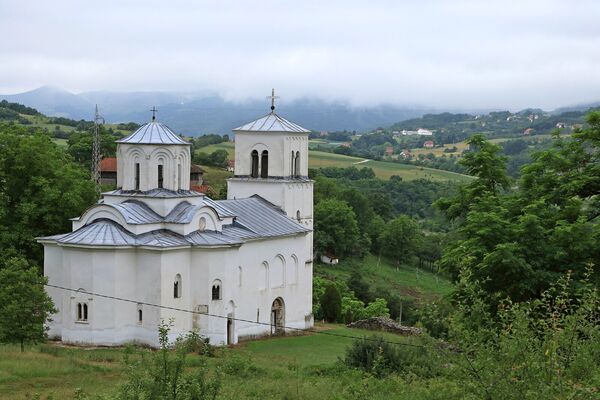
column 153, row 133
column 271, row 123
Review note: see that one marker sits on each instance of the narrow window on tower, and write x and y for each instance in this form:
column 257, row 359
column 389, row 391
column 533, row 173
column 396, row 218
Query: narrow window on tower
column 264, row 164
column 297, row 165
column 292, row 172
column 137, row 176
column 179, row 176
column 254, row 170
column 160, row 176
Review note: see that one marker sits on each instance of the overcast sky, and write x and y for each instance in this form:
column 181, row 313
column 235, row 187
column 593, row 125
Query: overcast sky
column 448, row 54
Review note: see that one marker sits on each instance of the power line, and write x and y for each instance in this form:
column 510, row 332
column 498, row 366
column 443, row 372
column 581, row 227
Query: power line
column 233, row 318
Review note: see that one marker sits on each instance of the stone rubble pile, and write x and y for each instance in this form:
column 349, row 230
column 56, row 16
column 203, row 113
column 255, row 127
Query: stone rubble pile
column 384, row 324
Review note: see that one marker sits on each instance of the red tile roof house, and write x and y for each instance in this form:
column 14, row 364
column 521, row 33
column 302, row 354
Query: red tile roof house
column 428, row 144
column 389, row 151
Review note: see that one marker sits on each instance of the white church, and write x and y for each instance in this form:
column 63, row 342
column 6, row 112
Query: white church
column 243, row 265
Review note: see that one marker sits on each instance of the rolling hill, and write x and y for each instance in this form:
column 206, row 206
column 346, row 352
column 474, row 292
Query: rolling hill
column 200, row 113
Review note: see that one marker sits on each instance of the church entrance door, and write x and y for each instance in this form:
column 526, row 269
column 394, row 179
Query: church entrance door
column 277, row 316
column 230, row 330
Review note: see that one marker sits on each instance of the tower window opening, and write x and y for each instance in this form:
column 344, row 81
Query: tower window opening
column 137, row 176
column 160, row 176
column 297, row 165
column 140, row 316
column 254, row 172
column 292, row 172
column 264, row 164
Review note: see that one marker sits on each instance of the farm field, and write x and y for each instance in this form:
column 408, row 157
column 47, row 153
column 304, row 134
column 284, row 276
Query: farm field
column 382, row 169
column 291, row 367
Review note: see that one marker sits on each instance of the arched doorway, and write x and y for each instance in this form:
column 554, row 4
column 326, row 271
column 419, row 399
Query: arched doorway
column 277, row 316
column 231, row 323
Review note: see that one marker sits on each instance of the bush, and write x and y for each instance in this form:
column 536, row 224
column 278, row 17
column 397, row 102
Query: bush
column 331, row 303
column 380, row 358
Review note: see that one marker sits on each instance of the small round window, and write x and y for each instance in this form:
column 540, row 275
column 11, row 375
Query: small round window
column 202, row 223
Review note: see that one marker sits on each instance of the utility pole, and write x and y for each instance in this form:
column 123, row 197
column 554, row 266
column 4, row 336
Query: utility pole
column 98, row 119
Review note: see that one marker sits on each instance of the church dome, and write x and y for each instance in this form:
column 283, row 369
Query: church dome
column 153, row 133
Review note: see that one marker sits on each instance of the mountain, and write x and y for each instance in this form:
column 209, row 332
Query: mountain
column 202, row 113
column 54, row 102
column 577, row 107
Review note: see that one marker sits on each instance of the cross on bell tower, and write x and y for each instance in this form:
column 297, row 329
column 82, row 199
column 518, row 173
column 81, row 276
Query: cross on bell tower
column 272, row 97
column 154, row 110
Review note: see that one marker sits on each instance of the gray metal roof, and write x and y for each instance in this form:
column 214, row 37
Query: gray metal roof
column 255, row 218
column 262, row 218
column 136, row 212
column 153, row 133
column 162, row 193
column 271, row 123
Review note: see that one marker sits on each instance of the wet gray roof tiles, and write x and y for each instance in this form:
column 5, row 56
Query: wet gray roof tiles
column 153, row 133
column 271, row 123
column 255, row 218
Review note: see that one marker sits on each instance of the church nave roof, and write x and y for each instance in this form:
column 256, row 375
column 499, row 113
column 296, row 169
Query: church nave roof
column 255, row 218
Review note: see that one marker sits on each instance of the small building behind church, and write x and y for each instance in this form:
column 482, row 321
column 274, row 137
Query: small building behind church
column 242, row 265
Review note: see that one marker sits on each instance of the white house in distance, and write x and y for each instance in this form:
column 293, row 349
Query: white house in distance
column 243, row 264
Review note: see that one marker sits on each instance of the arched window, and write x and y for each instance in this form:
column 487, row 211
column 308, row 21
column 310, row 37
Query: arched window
column 177, row 287
column 254, row 172
column 298, row 215
column 292, row 171
column 297, row 165
column 85, row 312
column 264, row 164
column 137, row 176
column 140, row 316
column 240, row 275
column 216, row 291
column 160, row 176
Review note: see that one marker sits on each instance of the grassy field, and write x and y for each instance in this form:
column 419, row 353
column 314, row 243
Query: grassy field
column 404, row 280
column 382, row 169
column 293, row 367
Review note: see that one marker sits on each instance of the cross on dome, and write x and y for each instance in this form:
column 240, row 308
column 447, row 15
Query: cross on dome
column 154, row 110
column 272, row 97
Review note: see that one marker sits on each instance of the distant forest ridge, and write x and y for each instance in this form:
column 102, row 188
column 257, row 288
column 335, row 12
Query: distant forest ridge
column 201, row 114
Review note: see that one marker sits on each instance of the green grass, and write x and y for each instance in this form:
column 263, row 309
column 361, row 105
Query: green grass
column 61, row 142
column 405, row 280
column 292, row 367
column 382, row 169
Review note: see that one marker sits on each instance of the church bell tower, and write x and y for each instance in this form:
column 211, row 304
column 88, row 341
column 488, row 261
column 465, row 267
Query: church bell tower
column 271, row 160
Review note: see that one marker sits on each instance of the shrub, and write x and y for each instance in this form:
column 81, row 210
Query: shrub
column 331, row 303
column 379, row 357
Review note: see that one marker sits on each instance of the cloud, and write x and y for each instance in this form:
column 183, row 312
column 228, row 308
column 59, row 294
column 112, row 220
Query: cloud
column 447, row 54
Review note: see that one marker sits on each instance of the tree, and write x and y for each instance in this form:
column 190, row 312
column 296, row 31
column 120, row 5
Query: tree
column 24, row 304
column 400, row 238
column 40, row 189
column 331, row 303
column 336, row 230
column 514, row 244
column 80, row 146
